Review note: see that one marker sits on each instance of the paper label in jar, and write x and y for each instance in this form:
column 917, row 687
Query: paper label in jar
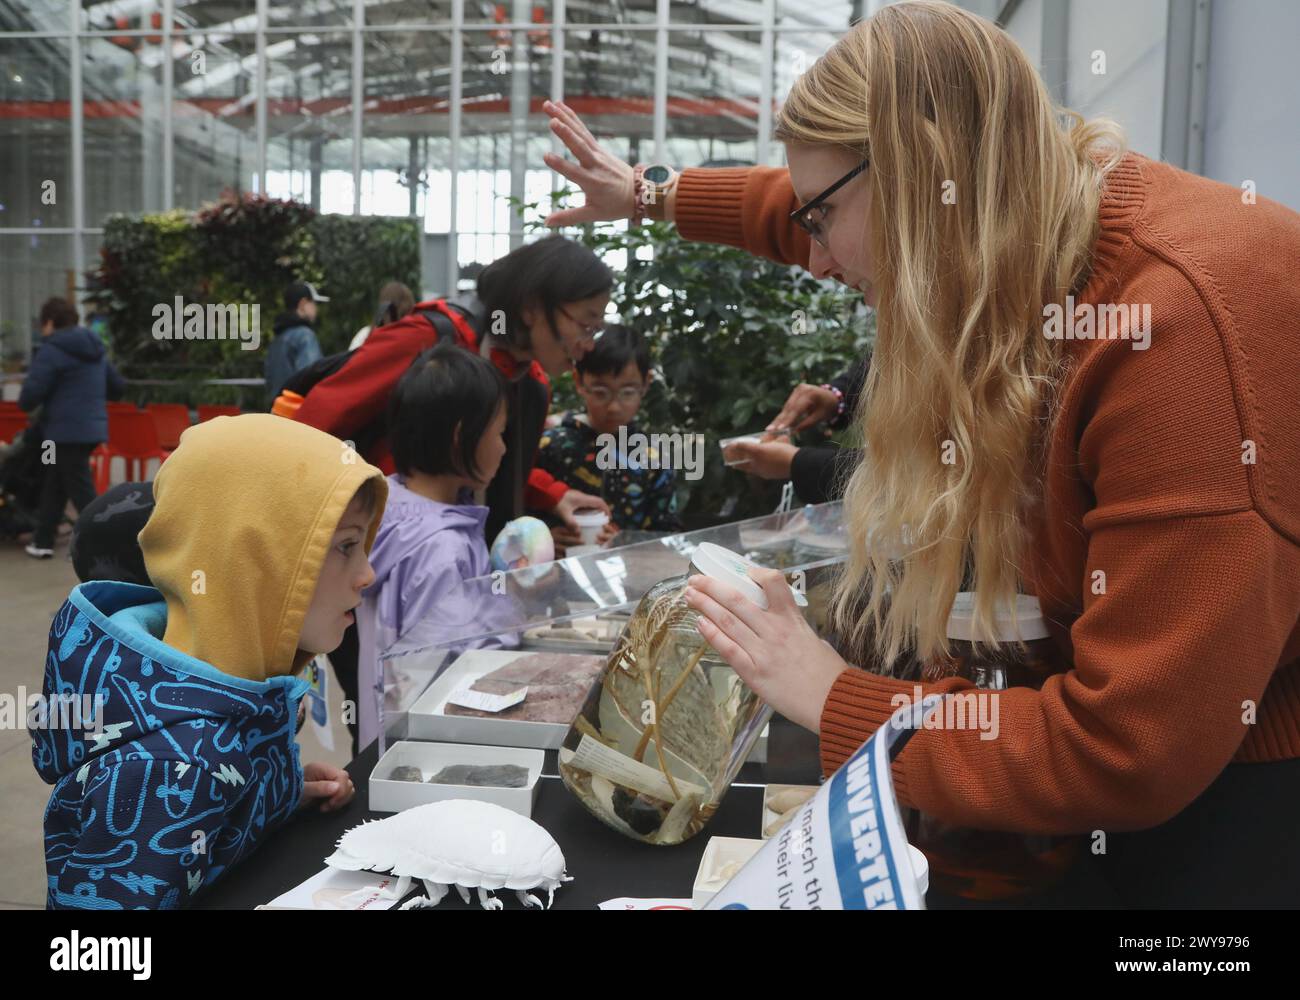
column 845, row 849
column 482, row 701
column 595, row 758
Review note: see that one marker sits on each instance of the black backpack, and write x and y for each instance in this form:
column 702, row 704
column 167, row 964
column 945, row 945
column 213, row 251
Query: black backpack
column 305, row 379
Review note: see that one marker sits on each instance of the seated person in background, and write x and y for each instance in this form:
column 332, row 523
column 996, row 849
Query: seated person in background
column 177, row 756
column 446, row 420
column 612, row 378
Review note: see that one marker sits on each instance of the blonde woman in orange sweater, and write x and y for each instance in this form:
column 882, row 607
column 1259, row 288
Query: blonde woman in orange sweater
column 1146, row 488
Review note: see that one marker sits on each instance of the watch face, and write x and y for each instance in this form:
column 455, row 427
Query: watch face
column 656, row 174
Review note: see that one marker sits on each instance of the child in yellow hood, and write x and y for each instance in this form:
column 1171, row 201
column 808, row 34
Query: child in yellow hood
column 257, row 548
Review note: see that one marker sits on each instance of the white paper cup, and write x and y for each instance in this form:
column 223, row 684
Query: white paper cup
column 589, row 524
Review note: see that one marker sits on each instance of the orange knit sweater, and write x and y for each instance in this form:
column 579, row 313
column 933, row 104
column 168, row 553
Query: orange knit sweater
column 1150, row 481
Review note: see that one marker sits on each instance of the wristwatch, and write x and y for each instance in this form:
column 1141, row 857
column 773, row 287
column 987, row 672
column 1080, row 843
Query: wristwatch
column 653, row 182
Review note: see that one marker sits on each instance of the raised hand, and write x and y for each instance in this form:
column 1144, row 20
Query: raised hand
column 605, row 179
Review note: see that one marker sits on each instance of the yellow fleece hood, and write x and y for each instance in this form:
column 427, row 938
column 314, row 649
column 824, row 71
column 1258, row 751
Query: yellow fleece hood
column 244, row 511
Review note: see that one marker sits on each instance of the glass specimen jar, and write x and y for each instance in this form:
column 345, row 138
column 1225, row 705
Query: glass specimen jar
column 668, row 724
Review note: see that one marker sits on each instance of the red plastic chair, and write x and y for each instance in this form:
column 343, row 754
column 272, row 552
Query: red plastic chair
column 101, row 461
column 11, row 424
column 209, row 410
column 171, row 421
column 133, row 438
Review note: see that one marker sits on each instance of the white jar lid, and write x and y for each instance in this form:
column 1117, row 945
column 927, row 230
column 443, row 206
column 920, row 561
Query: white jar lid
column 723, row 564
column 1023, row 621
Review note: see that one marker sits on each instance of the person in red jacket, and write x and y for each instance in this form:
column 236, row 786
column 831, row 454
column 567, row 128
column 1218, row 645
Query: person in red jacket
column 1083, row 388
column 537, row 311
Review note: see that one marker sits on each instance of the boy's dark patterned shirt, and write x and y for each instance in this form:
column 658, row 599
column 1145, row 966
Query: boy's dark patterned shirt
column 641, row 498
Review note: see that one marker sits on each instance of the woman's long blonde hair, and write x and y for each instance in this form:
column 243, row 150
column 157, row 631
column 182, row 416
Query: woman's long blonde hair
column 984, row 203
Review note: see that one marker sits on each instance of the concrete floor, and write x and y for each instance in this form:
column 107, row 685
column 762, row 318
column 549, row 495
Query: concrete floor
column 31, row 591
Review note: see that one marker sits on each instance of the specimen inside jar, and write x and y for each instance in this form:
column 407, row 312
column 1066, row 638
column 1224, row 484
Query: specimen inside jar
column 662, row 734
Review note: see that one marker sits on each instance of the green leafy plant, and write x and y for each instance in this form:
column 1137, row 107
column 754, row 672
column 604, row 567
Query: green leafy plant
column 243, row 248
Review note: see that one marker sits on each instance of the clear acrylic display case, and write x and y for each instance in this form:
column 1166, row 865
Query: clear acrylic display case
column 579, row 605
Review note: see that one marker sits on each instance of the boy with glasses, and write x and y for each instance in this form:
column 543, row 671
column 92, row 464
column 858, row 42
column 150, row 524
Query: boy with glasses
column 612, row 379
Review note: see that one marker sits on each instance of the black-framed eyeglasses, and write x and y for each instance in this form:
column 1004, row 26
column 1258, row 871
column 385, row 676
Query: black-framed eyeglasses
column 589, row 332
column 802, row 216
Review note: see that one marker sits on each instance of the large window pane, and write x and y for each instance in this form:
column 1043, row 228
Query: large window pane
column 405, row 151
column 213, row 116
column 231, row 15
column 189, row 15
column 795, row 52
column 509, row 11
column 309, row 119
column 713, row 91
column 32, row 268
column 312, row 14
column 609, row 79
column 503, row 136
column 123, row 126
column 679, row 12
column 35, row 133
column 834, row 17
column 1117, row 67
column 408, row 12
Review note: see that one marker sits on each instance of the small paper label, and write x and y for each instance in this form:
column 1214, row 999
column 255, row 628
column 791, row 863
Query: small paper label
column 481, row 701
column 594, row 757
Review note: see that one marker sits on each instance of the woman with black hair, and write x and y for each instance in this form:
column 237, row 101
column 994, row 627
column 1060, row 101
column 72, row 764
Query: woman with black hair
column 537, row 311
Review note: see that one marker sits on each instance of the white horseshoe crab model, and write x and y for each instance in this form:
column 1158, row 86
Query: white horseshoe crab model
column 460, row 842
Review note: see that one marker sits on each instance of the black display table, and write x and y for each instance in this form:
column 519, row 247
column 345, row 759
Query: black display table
column 604, row 864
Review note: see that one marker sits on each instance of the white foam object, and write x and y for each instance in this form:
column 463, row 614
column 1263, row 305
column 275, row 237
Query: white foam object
column 461, row 843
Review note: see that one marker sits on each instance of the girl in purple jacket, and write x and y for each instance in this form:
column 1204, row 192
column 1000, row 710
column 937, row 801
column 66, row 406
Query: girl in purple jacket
column 447, row 418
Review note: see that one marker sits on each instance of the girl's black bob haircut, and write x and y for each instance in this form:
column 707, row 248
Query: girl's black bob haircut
column 546, row 275
column 445, row 386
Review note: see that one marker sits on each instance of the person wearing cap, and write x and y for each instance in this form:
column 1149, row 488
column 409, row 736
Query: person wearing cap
column 294, row 346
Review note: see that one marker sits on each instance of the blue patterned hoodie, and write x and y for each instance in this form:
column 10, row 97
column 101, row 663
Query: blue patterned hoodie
column 186, row 766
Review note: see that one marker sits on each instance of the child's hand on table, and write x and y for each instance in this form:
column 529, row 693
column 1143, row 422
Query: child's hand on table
column 329, row 785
